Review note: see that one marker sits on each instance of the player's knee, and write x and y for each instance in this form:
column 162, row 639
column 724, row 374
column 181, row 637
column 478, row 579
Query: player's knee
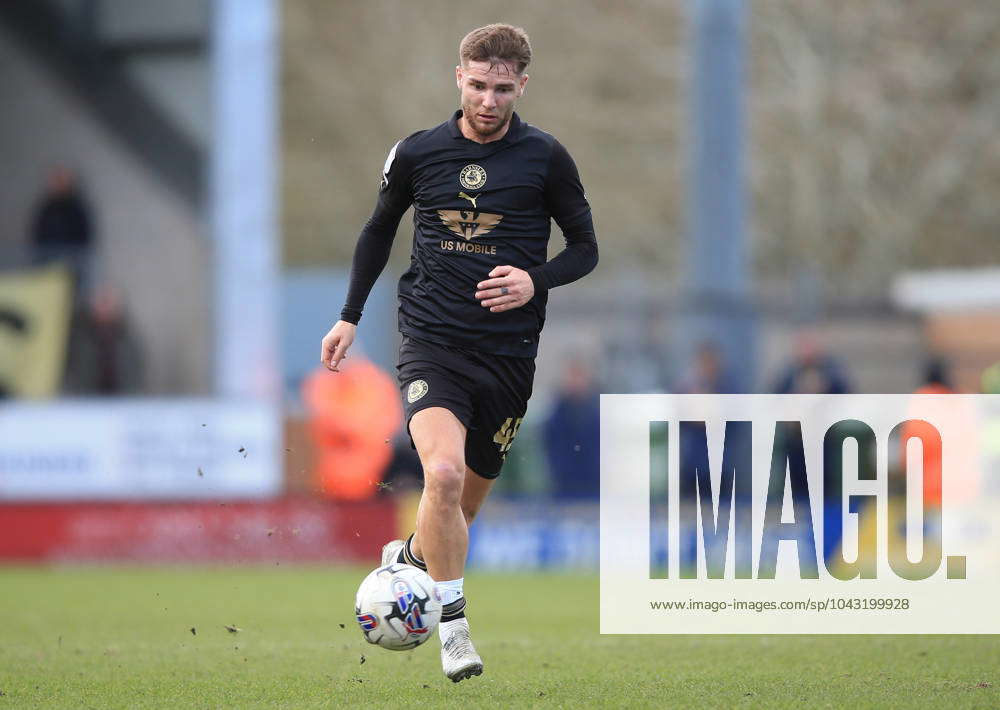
column 443, row 480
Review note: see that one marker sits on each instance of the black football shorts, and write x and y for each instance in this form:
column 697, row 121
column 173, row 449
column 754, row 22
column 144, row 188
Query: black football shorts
column 487, row 393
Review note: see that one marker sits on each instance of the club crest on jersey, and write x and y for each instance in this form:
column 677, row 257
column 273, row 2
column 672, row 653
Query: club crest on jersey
column 416, row 390
column 472, row 177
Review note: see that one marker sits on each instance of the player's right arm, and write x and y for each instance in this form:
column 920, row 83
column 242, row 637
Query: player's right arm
column 371, row 254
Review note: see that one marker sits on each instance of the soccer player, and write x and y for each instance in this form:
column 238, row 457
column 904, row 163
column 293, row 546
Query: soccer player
column 484, row 186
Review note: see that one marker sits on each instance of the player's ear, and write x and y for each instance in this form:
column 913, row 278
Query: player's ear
column 458, row 76
column 524, row 81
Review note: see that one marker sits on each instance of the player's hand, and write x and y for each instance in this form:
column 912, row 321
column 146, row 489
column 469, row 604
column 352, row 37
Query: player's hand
column 336, row 343
column 508, row 287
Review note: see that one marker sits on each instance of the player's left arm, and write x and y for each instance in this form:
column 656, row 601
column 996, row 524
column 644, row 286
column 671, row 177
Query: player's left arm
column 510, row 287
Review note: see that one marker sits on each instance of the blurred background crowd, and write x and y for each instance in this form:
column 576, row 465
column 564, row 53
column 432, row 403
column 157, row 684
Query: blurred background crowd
column 133, row 265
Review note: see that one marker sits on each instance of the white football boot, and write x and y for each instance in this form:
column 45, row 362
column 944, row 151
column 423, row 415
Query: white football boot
column 459, row 659
column 390, row 551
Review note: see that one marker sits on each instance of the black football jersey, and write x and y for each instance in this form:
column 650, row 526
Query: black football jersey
column 476, row 206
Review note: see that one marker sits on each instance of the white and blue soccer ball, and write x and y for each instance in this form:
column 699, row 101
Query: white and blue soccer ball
column 398, row 607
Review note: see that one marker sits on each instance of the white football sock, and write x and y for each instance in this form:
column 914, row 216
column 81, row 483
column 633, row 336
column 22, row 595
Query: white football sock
column 450, row 590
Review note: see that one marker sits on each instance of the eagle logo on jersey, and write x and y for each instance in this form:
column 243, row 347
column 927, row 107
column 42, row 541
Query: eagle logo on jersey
column 472, row 177
column 469, row 223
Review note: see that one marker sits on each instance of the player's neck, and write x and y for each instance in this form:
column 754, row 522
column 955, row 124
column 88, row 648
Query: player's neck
column 467, row 132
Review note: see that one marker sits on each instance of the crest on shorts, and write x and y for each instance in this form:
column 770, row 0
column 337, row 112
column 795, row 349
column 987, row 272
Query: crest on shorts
column 416, row 390
column 472, row 177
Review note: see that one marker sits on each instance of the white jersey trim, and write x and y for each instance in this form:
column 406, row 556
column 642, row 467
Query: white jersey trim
column 388, row 164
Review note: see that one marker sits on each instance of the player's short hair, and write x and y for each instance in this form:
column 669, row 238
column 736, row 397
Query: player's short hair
column 496, row 42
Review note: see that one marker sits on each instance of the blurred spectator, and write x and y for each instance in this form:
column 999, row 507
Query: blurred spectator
column 991, row 430
column 104, row 353
column 62, row 230
column 812, row 371
column 708, row 377
column 572, row 435
column 935, row 381
column 991, row 379
column 353, row 415
column 709, row 374
column 404, row 472
column 936, row 378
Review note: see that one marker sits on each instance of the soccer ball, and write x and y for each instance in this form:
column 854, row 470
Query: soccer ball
column 398, row 607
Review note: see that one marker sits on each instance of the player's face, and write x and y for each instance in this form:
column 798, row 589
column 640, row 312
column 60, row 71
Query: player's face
column 489, row 92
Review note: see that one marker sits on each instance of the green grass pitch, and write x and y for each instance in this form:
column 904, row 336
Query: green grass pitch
column 121, row 637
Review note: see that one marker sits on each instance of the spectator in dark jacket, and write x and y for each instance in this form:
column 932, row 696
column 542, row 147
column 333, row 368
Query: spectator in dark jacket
column 812, row 371
column 105, row 356
column 709, row 374
column 62, row 231
column 572, row 436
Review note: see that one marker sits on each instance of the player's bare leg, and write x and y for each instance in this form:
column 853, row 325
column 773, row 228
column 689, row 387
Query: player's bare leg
column 438, row 496
column 443, row 530
column 458, row 656
column 474, row 493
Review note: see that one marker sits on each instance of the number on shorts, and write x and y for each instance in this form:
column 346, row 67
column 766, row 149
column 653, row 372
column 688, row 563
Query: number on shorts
column 506, row 433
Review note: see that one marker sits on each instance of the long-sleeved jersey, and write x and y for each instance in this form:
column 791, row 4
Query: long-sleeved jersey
column 476, row 206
